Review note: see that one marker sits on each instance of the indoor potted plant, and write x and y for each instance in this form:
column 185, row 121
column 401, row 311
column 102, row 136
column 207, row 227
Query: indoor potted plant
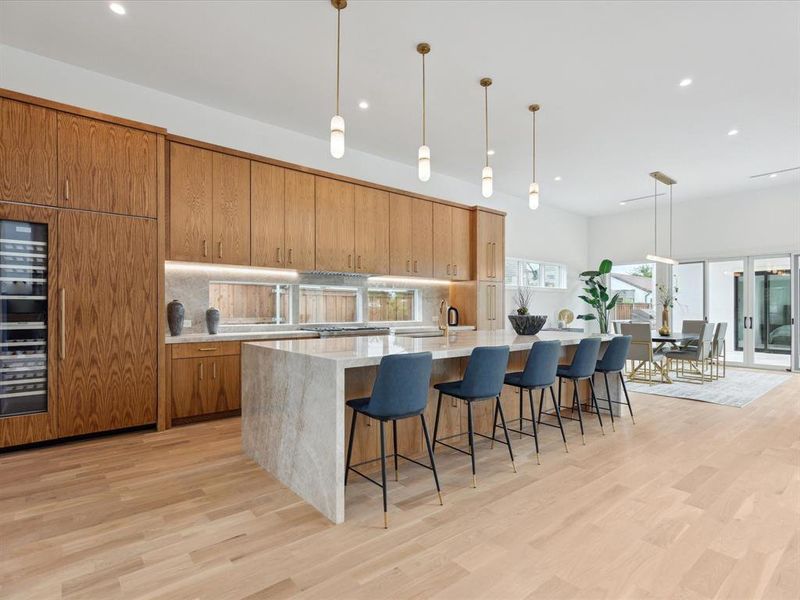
column 666, row 299
column 523, row 322
column 596, row 295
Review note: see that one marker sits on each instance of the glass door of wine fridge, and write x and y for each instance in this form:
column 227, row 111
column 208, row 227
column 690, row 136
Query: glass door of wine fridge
column 23, row 317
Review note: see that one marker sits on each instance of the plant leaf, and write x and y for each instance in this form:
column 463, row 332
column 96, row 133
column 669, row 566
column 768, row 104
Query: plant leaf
column 604, row 296
column 591, row 274
column 613, row 302
column 587, row 317
column 605, row 267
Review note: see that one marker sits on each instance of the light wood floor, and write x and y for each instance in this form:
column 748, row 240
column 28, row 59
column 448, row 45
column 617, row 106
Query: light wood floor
column 694, row 501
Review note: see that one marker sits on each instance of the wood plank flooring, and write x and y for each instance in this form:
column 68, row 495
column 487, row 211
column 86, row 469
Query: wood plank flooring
column 694, row 501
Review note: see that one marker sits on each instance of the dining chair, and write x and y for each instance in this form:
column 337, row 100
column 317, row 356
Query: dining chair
column 698, row 356
column 719, row 350
column 641, row 352
column 692, row 327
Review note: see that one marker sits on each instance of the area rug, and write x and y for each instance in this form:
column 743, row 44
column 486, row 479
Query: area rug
column 738, row 389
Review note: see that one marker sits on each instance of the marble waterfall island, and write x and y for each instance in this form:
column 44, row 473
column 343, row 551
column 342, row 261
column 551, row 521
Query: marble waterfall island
column 294, row 393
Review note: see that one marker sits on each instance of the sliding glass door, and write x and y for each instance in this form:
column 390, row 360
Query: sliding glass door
column 770, row 317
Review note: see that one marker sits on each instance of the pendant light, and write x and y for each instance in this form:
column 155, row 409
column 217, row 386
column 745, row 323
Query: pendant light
column 486, row 174
column 424, row 154
column 337, row 122
column 533, row 189
column 666, row 180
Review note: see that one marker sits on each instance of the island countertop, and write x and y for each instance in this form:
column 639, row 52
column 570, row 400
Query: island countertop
column 348, row 352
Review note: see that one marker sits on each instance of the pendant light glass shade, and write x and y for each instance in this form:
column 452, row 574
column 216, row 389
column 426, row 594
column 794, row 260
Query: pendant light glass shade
column 337, row 136
column 533, row 196
column 424, row 163
column 486, row 182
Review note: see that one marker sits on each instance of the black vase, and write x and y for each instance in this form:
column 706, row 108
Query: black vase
column 527, row 324
column 175, row 314
column 212, row 320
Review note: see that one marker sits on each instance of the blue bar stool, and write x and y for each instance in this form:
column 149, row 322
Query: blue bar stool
column 483, row 380
column 613, row 361
column 581, row 368
column 539, row 374
column 400, row 392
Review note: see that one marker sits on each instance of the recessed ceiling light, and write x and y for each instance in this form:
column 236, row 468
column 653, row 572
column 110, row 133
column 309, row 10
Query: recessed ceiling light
column 490, row 152
column 117, row 8
column 557, row 178
column 685, row 82
column 363, row 105
column 733, row 132
column 773, row 175
column 623, row 202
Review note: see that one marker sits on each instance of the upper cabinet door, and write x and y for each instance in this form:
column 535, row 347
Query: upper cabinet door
column 335, row 225
column 107, row 168
column 300, row 219
column 400, row 235
column 231, row 209
column 372, row 230
column 267, row 215
column 442, row 241
column 462, row 244
column 28, row 144
column 422, row 240
column 190, row 194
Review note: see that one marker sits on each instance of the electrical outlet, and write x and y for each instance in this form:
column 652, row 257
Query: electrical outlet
column 187, row 322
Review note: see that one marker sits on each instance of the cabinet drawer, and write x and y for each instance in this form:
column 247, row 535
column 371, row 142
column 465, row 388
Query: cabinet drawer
column 203, row 349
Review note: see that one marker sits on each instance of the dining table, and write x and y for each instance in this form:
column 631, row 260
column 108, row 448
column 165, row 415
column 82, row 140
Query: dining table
column 674, row 339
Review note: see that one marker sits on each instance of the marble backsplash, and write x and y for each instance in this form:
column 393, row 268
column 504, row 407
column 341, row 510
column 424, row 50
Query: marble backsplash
column 189, row 283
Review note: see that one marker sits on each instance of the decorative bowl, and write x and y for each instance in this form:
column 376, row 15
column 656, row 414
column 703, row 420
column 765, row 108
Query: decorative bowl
column 527, row 324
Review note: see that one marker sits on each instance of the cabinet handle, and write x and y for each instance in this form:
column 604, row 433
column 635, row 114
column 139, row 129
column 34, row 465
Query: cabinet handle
column 488, row 303
column 214, row 370
column 66, row 189
column 349, row 261
column 494, row 259
column 415, row 267
column 359, row 262
column 488, row 259
column 278, row 255
column 62, row 347
column 205, row 248
column 290, row 256
column 219, row 251
column 448, row 268
column 206, row 349
column 408, row 266
column 455, row 270
column 201, row 372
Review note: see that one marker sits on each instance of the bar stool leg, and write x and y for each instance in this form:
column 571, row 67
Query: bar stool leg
column 350, row 445
column 383, row 477
column 610, row 408
column 533, row 415
column 436, row 421
column 471, row 443
column 557, row 408
column 627, row 398
column 576, row 400
column 533, row 423
column 394, row 440
column 430, row 456
column 494, row 425
column 596, row 407
column 505, row 431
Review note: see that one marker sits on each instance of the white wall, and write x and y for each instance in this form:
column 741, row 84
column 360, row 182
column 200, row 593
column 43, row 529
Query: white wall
column 763, row 221
column 548, row 234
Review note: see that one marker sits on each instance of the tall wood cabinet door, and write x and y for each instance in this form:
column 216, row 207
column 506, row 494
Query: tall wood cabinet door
column 189, row 393
column 422, row 240
column 190, row 198
column 442, row 241
column 38, row 426
column 231, row 209
column 400, row 234
column 28, row 141
column 335, row 225
column 490, row 246
column 490, row 306
column 300, row 220
column 106, row 167
column 224, row 384
column 107, row 279
column 372, row 230
column 266, row 215
column 462, row 244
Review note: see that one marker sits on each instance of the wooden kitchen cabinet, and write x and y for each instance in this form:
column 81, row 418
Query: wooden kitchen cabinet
column 205, row 386
column 282, row 217
column 490, row 246
column 491, row 306
column 335, row 225
column 108, row 307
column 230, row 215
column 452, row 241
column 28, row 142
column 190, row 203
column 422, row 240
column 106, row 167
column 410, row 236
column 462, row 243
column 371, row 230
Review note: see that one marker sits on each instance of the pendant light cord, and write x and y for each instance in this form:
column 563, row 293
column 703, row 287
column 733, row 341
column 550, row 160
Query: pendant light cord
column 670, row 220
column 655, row 216
column 486, row 120
column 534, row 146
column 423, row 100
column 338, row 51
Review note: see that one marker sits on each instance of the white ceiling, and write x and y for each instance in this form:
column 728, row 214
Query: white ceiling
column 605, row 73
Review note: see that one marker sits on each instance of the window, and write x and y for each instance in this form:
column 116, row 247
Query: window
column 329, row 304
column 529, row 273
column 249, row 303
column 634, row 284
column 392, row 305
